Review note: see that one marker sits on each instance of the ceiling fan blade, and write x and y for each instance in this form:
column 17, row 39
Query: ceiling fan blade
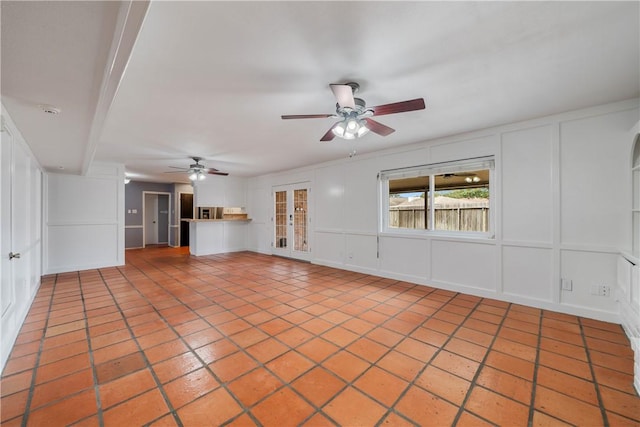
column 399, row 107
column 176, row 167
column 182, row 171
column 216, row 172
column 379, row 128
column 329, row 135
column 306, row 116
column 344, row 95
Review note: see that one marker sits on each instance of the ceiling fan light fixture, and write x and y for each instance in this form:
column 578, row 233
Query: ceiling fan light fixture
column 339, row 129
column 197, row 175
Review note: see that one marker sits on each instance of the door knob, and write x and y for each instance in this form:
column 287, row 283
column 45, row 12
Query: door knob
column 12, row 255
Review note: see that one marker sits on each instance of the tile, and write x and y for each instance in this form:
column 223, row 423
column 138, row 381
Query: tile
column 443, row 384
column 15, row 383
column 61, row 387
column 515, row 349
column 496, row 408
column 318, row 385
column 624, row 404
column 114, row 351
column 318, row 420
column 317, row 349
column 345, row 365
column 513, row 365
column 294, row 337
column 614, row 379
column 283, row 408
column 403, row 366
column 385, row 337
column 137, row 411
column 395, row 420
column 381, row 385
column 189, row 387
column 564, row 349
column 565, row 364
column 417, row 349
column 267, row 350
column 340, row 336
column 568, row 409
column 424, row 408
column 508, row 385
column 249, row 337
column 254, row 386
column 217, row 350
column 13, row 405
column 473, row 336
column 367, row 349
column 567, row 384
column 62, row 367
column 541, row 419
column 456, row 365
column 275, row 326
column 126, row 387
column 155, row 338
column 353, row 408
column 290, row 365
column 107, row 339
column 165, row 351
column 430, row 336
column 176, row 367
column 231, row 367
column 203, row 337
column 119, row 367
column 66, row 411
column 467, row 419
column 19, row 364
column 316, row 326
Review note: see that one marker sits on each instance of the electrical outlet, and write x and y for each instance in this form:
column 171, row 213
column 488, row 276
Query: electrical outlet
column 567, row 284
column 601, row 290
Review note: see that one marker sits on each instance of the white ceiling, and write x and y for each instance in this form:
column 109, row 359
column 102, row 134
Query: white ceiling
column 211, row 79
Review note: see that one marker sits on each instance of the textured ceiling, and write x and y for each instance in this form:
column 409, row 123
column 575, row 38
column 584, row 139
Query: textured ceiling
column 211, row 79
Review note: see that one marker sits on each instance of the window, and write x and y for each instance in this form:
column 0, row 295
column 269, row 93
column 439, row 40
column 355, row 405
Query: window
column 452, row 197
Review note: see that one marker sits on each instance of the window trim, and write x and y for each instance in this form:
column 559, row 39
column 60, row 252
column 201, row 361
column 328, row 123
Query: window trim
column 431, row 170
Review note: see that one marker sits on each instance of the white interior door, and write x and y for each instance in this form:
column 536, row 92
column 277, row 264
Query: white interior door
column 291, row 221
column 150, row 219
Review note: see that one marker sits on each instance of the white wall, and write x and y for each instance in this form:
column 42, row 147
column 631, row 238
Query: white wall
column 560, row 187
column 84, row 219
column 219, row 237
column 21, row 232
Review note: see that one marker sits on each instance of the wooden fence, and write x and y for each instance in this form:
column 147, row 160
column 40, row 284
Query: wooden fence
column 453, row 219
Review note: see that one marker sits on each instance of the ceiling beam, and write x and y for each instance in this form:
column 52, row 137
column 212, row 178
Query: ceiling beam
column 130, row 19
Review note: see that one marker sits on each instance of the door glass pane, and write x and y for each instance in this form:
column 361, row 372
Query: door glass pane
column 300, row 220
column 281, row 219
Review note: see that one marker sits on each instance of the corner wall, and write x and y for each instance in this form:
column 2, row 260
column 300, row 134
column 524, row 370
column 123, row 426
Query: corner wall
column 84, row 219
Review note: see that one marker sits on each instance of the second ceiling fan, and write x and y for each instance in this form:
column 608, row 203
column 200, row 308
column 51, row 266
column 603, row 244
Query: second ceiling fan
column 356, row 116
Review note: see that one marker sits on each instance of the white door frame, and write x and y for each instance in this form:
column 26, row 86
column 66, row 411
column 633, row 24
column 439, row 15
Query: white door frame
column 290, row 251
column 144, row 217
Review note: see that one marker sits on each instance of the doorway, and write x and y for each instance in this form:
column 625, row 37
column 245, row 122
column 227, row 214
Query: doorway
column 155, row 214
column 186, row 212
column 291, row 221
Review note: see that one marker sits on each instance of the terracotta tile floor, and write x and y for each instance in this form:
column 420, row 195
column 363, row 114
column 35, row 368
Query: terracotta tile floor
column 248, row 339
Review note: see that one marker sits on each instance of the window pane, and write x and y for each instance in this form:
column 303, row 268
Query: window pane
column 408, row 203
column 461, row 201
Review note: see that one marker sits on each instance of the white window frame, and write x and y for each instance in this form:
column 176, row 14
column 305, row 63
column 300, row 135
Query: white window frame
column 431, row 170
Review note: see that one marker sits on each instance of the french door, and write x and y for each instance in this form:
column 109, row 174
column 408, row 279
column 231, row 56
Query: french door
column 291, row 221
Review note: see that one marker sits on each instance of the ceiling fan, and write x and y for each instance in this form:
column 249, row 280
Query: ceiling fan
column 355, row 116
column 197, row 171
